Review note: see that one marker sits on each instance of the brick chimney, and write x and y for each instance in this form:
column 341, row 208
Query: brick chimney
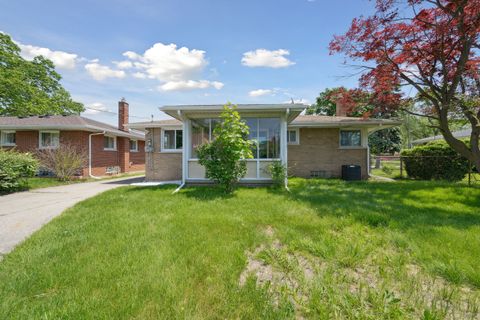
column 341, row 108
column 123, row 144
column 122, row 114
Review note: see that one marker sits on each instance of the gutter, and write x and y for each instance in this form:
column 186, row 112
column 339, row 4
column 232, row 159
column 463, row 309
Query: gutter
column 90, row 153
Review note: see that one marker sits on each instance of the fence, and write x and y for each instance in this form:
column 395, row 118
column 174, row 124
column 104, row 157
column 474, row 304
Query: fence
column 394, row 167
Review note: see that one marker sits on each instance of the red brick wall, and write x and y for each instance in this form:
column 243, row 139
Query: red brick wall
column 27, row 141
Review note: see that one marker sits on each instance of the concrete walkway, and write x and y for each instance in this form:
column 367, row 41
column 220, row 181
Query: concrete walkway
column 23, row 213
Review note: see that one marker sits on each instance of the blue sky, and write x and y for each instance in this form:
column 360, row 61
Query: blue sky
column 156, row 53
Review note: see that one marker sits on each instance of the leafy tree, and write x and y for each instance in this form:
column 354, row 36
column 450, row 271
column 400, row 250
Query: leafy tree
column 223, row 157
column 30, row 87
column 325, row 105
column 385, row 141
column 430, row 46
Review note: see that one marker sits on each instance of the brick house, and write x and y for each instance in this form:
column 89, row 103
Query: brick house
column 308, row 145
column 109, row 149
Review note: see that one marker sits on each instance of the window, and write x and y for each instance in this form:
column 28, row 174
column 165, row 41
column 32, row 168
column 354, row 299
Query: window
column 293, row 136
column 350, row 138
column 49, row 139
column 7, row 138
column 109, row 143
column 133, row 145
column 266, row 133
column 172, row 140
column 202, row 132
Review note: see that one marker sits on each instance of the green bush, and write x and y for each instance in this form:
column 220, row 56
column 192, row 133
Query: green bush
column 224, row 157
column 435, row 160
column 278, row 171
column 387, row 169
column 15, row 167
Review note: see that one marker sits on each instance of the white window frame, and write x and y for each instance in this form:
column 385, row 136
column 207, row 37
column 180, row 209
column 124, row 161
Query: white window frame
column 114, row 143
column 40, row 146
column 361, row 146
column 136, row 145
column 162, row 139
column 7, row 144
column 297, row 136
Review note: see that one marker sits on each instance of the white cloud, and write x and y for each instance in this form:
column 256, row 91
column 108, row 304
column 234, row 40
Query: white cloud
column 95, row 108
column 123, row 64
column 260, row 92
column 167, row 63
column 100, row 72
column 267, row 58
column 61, row 59
column 139, row 75
column 190, row 85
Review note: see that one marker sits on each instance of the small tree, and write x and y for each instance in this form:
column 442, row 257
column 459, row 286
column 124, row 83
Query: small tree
column 15, row 168
column 224, row 157
column 64, row 161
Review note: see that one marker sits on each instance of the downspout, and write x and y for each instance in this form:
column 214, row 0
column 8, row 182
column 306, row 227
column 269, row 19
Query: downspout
column 90, row 154
column 286, row 149
column 184, row 138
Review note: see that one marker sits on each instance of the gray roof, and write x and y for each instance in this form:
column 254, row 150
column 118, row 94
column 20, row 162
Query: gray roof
column 465, row 133
column 299, row 122
column 70, row 122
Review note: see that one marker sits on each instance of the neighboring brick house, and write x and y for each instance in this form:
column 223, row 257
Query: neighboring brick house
column 109, row 149
column 308, row 145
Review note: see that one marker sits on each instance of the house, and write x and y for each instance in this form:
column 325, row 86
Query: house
column 461, row 134
column 309, row 145
column 110, row 149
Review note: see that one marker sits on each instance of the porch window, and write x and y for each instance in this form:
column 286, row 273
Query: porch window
column 49, row 139
column 350, row 138
column 7, row 138
column 202, row 132
column 172, row 140
column 266, row 134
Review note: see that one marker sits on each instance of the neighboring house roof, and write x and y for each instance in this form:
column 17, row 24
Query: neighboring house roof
column 70, row 122
column 336, row 122
column 299, row 122
column 465, row 133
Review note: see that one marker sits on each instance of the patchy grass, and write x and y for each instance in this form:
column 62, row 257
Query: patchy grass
column 328, row 249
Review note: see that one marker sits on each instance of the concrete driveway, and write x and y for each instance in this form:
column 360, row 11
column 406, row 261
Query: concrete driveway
column 23, row 213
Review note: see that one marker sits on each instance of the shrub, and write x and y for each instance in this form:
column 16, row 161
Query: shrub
column 224, row 157
column 15, row 167
column 435, row 160
column 278, row 171
column 387, row 169
column 64, row 162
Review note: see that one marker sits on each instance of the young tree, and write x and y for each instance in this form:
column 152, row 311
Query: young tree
column 30, row 87
column 224, row 157
column 433, row 47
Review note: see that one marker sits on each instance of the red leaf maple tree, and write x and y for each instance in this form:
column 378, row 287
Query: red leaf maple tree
column 432, row 46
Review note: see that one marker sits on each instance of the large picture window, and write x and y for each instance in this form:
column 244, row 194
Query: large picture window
column 49, row 139
column 202, row 132
column 172, row 140
column 350, row 138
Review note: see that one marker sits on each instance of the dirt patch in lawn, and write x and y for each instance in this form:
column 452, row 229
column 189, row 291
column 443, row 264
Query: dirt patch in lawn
column 291, row 276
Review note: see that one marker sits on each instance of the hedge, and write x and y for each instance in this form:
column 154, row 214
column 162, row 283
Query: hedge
column 14, row 168
column 435, row 161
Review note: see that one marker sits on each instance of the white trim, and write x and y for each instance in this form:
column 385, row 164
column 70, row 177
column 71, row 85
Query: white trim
column 162, row 140
column 7, row 144
column 114, row 142
column 297, row 136
column 40, row 139
column 136, row 145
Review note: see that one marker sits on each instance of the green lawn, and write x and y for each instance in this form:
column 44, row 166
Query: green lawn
column 328, row 249
column 45, row 182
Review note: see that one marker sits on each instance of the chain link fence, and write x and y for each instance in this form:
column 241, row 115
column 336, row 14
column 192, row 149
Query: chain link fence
column 393, row 167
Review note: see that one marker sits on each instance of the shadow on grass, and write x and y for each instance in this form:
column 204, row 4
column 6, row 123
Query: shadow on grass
column 207, row 193
column 406, row 205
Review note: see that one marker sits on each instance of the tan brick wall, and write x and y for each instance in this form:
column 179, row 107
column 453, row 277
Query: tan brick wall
column 162, row 166
column 319, row 151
